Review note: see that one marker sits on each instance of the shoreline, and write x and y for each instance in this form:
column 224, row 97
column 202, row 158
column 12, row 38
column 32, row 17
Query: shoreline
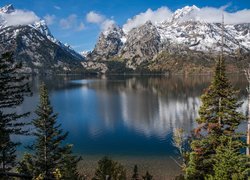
column 161, row 167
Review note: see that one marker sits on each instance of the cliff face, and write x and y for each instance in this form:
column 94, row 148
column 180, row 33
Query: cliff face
column 142, row 44
column 108, row 45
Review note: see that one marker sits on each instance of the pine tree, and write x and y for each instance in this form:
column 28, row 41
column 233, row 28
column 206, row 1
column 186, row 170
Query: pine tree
column 14, row 87
column 229, row 163
column 218, row 116
column 147, row 176
column 109, row 169
column 218, row 113
column 135, row 175
column 49, row 155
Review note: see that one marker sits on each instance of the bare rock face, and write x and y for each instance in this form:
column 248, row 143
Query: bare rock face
column 95, row 66
column 108, row 45
column 142, row 44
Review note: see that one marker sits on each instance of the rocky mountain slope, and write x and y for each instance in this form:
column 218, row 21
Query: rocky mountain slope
column 180, row 35
column 35, row 46
column 109, row 44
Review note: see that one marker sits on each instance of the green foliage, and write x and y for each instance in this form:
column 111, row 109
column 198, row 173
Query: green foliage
column 7, row 149
column 147, row 176
column 218, row 116
column 229, row 163
column 13, row 89
column 109, row 169
column 48, row 152
column 135, row 175
column 26, row 165
column 220, row 104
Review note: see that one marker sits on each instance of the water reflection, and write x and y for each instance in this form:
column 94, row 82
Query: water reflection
column 126, row 115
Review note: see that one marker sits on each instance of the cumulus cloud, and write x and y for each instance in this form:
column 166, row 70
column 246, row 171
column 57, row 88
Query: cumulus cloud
column 107, row 23
column 205, row 14
column 72, row 22
column 214, row 15
column 157, row 16
column 49, row 19
column 20, row 17
column 93, row 17
column 69, row 22
column 101, row 20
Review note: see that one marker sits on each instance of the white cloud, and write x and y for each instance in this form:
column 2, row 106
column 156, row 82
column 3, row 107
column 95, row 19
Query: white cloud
column 94, row 17
column 159, row 15
column 107, row 23
column 49, row 19
column 214, row 15
column 57, row 7
column 80, row 27
column 71, row 22
column 206, row 14
column 101, row 20
column 68, row 22
column 20, row 17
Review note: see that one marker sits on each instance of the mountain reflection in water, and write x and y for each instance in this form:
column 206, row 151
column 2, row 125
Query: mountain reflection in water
column 125, row 115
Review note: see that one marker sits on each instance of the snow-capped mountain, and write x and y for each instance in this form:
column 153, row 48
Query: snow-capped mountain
column 186, row 28
column 34, row 45
column 184, row 31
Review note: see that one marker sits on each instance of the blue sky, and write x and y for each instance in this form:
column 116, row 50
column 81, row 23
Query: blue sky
column 68, row 20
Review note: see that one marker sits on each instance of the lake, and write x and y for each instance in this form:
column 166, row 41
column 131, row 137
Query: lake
column 129, row 118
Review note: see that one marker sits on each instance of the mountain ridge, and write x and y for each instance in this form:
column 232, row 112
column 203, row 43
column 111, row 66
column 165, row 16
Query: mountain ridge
column 182, row 32
column 35, row 46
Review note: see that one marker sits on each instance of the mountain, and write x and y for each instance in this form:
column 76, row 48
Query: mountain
column 185, row 35
column 34, row 46
column 142, row 44
column 108, row 44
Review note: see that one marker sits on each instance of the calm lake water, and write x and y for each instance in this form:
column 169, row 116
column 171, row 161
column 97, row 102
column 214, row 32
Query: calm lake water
column 125, row 115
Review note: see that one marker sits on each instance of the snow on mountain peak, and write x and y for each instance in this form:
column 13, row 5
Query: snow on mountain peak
column 9, row 16
column 113, row 28
column 7, row 9
column 188, row 13
column 42, row 27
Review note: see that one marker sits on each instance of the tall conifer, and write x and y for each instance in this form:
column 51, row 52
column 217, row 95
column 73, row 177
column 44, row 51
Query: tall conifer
column 135, row 175
column 13, row 87
column 49, row 156
column 218, row 116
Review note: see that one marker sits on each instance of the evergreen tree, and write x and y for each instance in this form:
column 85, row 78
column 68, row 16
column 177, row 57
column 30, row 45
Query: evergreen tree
column 49, row 155
column 218, row 116
column 147, row 176
column 135, row 175
column 14, row 87
column 109, row 169
column 229, row 163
